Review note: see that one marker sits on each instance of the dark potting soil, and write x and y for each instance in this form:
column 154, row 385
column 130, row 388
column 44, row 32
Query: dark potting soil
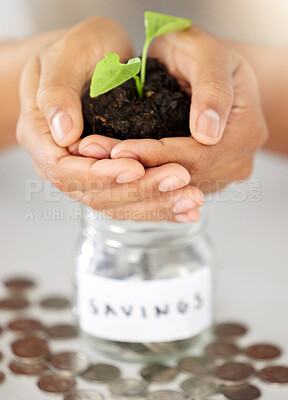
column 120, row 114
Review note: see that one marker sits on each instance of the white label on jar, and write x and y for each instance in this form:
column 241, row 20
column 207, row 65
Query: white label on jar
column 161, row 310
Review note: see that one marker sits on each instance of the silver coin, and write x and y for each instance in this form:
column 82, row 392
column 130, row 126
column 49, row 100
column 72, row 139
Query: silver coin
column 62, row 331
column 128, row 388
column 101, row 373
column 84, row 395
column 166, row 395
column 201, row 386
column 196, row 365
column 68, row 363
column 158, row 373
column 55, row 303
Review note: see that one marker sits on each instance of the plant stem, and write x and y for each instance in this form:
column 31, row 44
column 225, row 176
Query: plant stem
column 144, row 61
column 139, row 87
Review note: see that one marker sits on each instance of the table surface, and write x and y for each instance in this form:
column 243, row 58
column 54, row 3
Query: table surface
column 248, row 224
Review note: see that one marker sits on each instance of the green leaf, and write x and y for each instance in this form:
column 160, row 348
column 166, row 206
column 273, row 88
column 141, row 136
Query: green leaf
column 110, row 73
column 158, row 24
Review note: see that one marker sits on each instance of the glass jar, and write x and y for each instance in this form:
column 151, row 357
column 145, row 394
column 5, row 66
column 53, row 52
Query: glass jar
column 143, row 290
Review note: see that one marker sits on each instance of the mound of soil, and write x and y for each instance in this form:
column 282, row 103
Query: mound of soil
column 120, row 114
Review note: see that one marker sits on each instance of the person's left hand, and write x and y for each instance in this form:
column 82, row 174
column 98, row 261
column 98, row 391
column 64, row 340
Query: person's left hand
column 226, row 120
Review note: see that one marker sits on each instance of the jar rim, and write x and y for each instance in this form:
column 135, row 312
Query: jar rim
column 99, row 220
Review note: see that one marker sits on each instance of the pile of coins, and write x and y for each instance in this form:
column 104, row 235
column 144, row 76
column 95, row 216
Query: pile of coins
column 222, row 369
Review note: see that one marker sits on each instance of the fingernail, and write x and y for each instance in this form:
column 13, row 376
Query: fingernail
column 124, row 154
column 61, row 125
column 191, row 216
column 95, row 150
column 127, row 176
column 170, row 183
column 73, row 149
column 208, row 123
column 184, row 205
column 182, row 218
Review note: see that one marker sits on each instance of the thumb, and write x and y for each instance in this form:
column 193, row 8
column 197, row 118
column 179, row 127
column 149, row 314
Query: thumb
column 211, row 103
column 67, row 66
column 207, row 66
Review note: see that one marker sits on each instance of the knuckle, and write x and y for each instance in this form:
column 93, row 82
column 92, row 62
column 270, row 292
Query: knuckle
column 203, row 160
column 52, row 172
column 47, row 95
column 220, row 91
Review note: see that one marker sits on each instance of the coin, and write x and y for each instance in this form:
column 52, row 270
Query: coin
column 230, row 330
column 222, row 350
column 13, row 304
column 275, row 374
column 101, row 373
column 246, row 392
column 25, row 325
column 69, row 363
column 55, row 303
column 158, row 373
column 166, row 395
column 56, row 384
column 200, row 386
column 128, row 388
column 62, row 331
column 27, row 370
column 19, row 283
column 2, row 377
column 30, row 350
column 234, row 373
column 196, row 365
column 262, row 352
column 84, row 395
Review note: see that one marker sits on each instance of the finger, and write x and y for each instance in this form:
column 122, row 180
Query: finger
column 55, row 162
column 74, row 148
column 208, row 67
column 174, row 207
column 245, row 132
column 68, row 66
column 150, row 152
column 97, row 146
column 216, row 179
column 157, row 182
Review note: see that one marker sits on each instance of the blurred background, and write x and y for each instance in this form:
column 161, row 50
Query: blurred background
column 257, row 21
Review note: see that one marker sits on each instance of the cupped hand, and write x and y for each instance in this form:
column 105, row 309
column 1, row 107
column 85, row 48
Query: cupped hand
column 226, row 121
column 51, row 119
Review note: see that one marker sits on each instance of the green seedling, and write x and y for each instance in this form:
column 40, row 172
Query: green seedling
column 110, row 73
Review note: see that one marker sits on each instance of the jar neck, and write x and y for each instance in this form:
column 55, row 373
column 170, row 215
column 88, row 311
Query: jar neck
column 98, row 226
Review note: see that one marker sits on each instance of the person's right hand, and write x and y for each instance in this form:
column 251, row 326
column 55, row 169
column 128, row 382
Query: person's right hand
column 51, row 120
